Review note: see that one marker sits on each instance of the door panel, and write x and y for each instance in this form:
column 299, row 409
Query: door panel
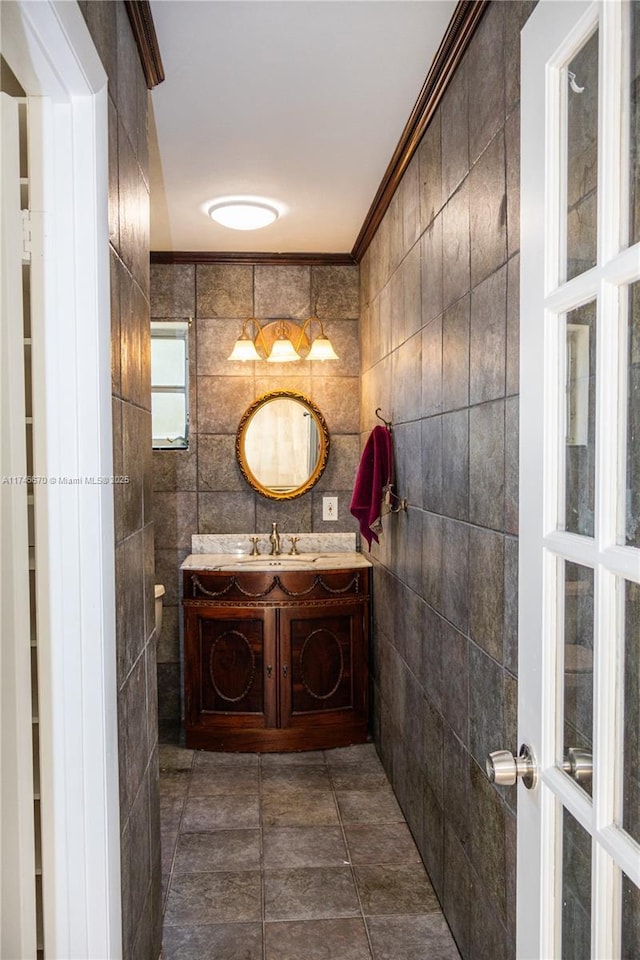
column 230, row 664
column 320, row 651
column 578, row 850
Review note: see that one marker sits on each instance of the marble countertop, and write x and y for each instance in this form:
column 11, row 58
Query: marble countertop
column 340, row 560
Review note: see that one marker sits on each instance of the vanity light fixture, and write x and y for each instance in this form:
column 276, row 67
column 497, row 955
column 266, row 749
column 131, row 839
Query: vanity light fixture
column 282, row 341
column 245, row 347
column 282, row 349
column 243, row 214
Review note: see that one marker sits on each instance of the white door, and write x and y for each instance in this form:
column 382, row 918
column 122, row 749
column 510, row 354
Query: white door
column 579, row 667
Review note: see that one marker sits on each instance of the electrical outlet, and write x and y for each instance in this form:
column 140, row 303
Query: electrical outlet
column 329, row 508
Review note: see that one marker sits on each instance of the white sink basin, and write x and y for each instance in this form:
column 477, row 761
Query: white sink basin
column 281, row 558
column 267, row 562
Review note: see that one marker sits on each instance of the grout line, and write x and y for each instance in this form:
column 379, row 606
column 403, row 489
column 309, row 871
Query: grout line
column 353, row 873
column 177, row 840
column 262, row 883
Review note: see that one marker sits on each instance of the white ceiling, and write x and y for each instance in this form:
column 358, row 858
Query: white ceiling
column 301, row 102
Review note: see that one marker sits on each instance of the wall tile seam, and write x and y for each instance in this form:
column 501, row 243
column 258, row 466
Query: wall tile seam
column 479, row 881
column 131, row 403
column 500, row 128
column 498, row 663
column 513, row 108
column 449, row 306
column 393, row 273
column 127, row 269
column 137, row 928
column 506, row 809
column 129, row 536
column 143, row 776
column 502, row 797
column 467, row 523
column 141, row 655
column 196, row 315
column 465, row 635
column 133, row 147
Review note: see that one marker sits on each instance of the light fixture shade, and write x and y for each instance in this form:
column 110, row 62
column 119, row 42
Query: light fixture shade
column 282, row 351
column 322, row 349
column 244, row 349
column 243, row 214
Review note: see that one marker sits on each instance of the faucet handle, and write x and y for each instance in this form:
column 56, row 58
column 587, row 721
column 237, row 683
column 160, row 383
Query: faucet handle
column 254, row 549
column 294, row 550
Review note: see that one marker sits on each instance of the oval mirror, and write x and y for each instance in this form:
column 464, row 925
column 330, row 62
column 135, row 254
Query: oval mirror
column 282, row 445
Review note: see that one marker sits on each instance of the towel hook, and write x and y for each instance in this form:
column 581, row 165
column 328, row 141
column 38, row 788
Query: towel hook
column 388, row 423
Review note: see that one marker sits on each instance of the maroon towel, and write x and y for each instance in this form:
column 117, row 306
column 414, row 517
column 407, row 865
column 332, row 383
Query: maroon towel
column 370, row 500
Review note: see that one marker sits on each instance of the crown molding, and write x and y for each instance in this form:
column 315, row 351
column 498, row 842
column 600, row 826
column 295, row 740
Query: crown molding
column 144, row 33
column 463, row 24
column 287, row 259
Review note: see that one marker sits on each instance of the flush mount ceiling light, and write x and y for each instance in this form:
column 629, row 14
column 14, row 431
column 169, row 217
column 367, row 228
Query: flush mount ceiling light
column 243, row 214
column 282, row 341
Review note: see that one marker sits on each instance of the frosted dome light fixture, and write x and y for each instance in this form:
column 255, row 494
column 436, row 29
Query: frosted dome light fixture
column 242, row 214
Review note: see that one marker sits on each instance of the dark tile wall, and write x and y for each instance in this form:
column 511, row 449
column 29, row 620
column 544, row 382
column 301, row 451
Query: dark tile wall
column 201, row 490
column 439, row 341
column 135, row 627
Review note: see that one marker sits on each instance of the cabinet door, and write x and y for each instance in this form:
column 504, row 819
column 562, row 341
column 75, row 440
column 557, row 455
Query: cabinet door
column 322, row 664
column 230, row 667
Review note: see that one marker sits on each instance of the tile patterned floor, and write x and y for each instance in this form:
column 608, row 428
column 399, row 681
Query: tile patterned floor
column 302, row 856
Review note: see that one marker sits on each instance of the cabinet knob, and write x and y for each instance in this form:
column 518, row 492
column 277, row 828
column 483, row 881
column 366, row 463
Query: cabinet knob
column 285, row 670
column 269, row 671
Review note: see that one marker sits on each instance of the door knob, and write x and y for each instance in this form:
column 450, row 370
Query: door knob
column 504, row 769
column 579, row 764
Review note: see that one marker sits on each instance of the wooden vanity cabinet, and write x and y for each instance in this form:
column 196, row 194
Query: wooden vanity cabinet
column 276, row 662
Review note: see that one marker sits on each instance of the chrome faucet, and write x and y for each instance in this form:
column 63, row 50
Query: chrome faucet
column 274, row 540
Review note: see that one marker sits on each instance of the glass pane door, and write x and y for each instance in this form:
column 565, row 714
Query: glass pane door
column 579, row 677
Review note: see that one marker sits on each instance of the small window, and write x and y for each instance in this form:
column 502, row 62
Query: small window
column 170, row 384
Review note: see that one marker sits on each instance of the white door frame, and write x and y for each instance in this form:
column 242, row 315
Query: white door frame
column 17, row 840
column 545, row 297
column 49, row 48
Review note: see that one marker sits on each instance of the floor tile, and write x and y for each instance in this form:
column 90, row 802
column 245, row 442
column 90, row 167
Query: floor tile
column 289, row 847
column 369, row 806
column 314, row 758
column 412, row 938
column 351, row 778
column 171, row 809
column 207, row 758
column 310, row 894
column 225, row 781
column 381, row 843
column 220, row 813
column 360, row 755
column 226, row 815
column 168, row 842
column 290, row 808
column 223, row 941
column 343, row 939
column 220, row 850
column 172, row 757
column 301, row 776
column 196, row 898
column 174, row 783
column 395, row 889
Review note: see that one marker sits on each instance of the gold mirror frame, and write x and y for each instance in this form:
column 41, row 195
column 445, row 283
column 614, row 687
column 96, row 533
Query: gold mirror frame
column 323, row 440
